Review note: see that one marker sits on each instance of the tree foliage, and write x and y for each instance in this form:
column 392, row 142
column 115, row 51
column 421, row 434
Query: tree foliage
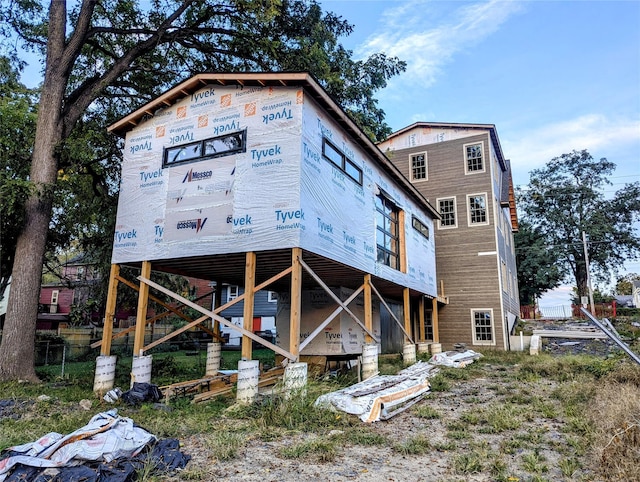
column 103, row 59
column 537, row 270
column 17, row 127
column 624, row 284
column 566, row 198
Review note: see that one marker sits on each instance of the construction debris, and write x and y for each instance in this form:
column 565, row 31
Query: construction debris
column 109, row 448
column 383, row 396
column 204, row 389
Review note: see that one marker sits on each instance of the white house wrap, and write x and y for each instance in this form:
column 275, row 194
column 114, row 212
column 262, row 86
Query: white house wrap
column 229, row 169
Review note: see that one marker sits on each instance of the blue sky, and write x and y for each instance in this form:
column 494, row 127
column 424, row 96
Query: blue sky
column 553, row 76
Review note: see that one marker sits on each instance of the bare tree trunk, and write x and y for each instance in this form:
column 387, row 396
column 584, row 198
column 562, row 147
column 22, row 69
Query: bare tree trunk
column 17, row 354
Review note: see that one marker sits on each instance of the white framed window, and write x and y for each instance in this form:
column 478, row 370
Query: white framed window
column 418, row 162
column 272, row 296
column 448, row 213
column 54, row 297
column 477, row 214
column 482, row 325
column 232, row 292
column 80, row 273
column 474, row 158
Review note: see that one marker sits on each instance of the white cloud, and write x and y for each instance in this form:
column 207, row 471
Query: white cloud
column 428, row 44
column 602, row 136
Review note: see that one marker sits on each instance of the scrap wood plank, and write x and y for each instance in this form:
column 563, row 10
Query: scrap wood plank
column 197, row 385
column 268, row 378
column 201, row 397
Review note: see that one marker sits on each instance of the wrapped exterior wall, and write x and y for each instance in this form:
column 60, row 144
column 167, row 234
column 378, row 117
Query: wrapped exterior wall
column 274, row 191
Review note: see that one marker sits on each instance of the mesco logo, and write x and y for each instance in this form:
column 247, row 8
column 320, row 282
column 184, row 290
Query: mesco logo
column 197, row 176
column 196, row 224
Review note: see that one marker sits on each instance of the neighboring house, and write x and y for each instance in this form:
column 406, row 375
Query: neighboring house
column 624, row 301
column 56, row 299
column 261, row 179
column 264, row 316
column 461, row 169
column 636, row 293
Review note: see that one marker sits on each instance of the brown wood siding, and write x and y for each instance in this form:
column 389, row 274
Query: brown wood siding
column 470, row 281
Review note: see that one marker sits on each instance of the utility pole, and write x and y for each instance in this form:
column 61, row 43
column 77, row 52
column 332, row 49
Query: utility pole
column 586, row 262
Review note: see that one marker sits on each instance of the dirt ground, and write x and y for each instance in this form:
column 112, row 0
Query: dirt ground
column 461, row 447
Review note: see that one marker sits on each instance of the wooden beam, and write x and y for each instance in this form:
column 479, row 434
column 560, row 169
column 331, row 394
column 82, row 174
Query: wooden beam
column 434, row 320
column 406, row 302
column 296, row 302
column 421, row 330
column 402, row 242
column 249, row 285
column 222, row 320
column 336, row 299
column 182, row 329
column 141, row 315
column 110, row 310
column 328, row 319
column 393, row 317
column 368, row 308
column 216, row 303
column 170, row 310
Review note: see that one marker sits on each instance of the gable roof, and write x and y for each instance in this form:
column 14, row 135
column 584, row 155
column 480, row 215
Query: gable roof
column 275, row 79
column 453, row 125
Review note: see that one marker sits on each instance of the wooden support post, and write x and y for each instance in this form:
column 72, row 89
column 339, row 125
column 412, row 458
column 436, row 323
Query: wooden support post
column 421, row 331
column 434, row 320
column 141, row 315
column 407, row 313
column 368, row 308
column 402, row 249
column 296, row 303
column 110, row 310
column 217, row 302
column 249, row 295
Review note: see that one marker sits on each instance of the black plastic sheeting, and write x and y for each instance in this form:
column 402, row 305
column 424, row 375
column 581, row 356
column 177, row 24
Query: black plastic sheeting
column 141, row 392
column 163, row 457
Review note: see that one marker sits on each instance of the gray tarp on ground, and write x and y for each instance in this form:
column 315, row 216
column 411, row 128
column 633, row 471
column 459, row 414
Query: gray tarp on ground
column 106, row 437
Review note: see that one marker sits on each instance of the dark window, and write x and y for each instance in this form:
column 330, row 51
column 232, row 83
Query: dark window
column 420, row 227
column 428, row 325
column 387, row 236
column 340, row 161
column 206, row 149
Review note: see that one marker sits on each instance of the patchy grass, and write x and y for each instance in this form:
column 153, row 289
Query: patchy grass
column 507, row 417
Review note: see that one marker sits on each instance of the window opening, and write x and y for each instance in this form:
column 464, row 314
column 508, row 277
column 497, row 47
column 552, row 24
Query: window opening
column 473, row 156
column 419, row 166
column 448, row 213
column 482, row 325
column 341, row 161
column 387, row 237
column 213, row 147
column 419, row 226
column 477, row 209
